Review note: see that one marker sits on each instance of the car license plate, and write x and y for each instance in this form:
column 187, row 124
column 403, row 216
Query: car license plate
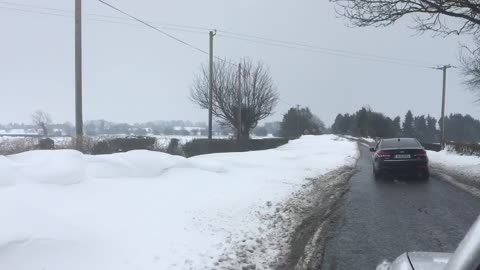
column 402, row 156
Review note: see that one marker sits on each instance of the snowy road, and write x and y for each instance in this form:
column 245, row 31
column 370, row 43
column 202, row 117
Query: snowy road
column 379, row 220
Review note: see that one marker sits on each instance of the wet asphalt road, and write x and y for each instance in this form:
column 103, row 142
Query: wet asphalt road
column 379, row 220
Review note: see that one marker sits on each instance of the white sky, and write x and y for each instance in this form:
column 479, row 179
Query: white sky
column 134, row 74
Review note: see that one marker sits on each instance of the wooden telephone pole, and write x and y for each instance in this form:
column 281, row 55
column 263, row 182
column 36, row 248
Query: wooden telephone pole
column 78, row 76
column 239, row 96
column 210, row 92
column 444, row 90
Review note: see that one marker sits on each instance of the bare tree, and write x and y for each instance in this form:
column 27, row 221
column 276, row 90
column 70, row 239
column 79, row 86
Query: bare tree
column 258, row 95
column 428, row 15
column 443, row 17
column 42, row 119
column 470, row 61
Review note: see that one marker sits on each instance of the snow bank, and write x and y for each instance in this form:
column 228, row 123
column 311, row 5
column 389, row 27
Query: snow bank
column 139, row 163
column 463, row 165
column 368, row 139
column 147, row 210
column 54, row 167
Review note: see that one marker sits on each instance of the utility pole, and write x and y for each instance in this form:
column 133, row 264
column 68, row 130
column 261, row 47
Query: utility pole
column 210, row 92
column 78, row 75
column 298, row 120
column 239, row 96
column 444, row 90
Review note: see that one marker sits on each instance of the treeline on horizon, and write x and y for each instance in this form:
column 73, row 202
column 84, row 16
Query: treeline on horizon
column 364, row 122
column 160, row 127
column 368, row 123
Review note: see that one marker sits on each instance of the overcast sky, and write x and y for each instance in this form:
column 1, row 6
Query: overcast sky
column 134, row 74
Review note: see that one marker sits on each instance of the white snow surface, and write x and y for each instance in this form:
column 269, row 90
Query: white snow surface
column 149, row 210
column 368, row 139
column 463, row 165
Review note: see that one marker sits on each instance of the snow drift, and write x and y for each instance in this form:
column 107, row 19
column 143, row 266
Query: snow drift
column 468, row 166
column 147, row 210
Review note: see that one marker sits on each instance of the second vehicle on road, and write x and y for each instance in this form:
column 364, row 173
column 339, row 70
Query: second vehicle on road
column 400, row 155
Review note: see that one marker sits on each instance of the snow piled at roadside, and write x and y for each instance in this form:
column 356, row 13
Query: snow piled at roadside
column 370, row 140
column 367, row 139
column 468, row 166
column 148, row 210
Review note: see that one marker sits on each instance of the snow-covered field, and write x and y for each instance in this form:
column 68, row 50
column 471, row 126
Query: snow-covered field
column 468, row 166
column 149, row 210
column 162, row 140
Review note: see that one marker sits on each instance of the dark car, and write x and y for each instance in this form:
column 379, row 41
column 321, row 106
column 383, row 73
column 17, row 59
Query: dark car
column 400, row 155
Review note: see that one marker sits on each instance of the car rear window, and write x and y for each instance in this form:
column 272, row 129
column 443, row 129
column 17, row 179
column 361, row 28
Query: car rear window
column 399, row 143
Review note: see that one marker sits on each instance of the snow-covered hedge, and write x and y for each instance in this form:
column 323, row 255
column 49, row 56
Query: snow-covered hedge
column 204, row 146
column 149, row 210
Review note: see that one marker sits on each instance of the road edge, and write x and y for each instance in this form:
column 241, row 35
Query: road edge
column 454, row 179
column 307, row 241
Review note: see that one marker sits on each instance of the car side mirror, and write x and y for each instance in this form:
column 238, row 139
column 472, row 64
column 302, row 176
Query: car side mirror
column 372, row 149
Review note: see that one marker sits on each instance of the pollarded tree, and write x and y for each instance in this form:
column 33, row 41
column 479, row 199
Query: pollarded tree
column 257, row 97
column 42, row 120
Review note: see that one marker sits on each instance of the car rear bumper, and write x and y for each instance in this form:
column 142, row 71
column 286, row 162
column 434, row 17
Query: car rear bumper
column 402, row 165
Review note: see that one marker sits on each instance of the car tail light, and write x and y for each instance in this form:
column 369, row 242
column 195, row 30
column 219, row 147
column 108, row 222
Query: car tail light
column 383, row 154
column 421, row 153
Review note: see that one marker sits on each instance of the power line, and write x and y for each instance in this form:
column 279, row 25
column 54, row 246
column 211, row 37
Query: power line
column 204, row 30
column 35, row 6
column 153, row 27
column 94, row 19
column 327, row 53
column 165, row 33
column 37, row 12
column 134, row 24
column 105, row 16
column 250, row 37
column 229, row 34
column 126, row 23
column 119, row 10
